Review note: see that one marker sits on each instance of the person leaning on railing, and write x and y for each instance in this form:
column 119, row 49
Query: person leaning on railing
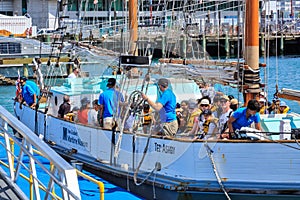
column 244, row 117
column 30, row 92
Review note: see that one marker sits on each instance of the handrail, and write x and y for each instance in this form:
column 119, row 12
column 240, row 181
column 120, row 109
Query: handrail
column 99, row 183
column 62, row 175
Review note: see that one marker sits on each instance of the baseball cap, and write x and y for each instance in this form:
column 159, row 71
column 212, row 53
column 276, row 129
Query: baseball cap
column 224, row 97
column 207, row 112
column 262, row 100
column 204, row 101
column 163, row 82
column 23, row 78
column 111, row 82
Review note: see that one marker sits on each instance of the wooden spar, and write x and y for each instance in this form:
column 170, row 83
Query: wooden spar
column 133, row 27
column 289, row 94
column 197, row 61
column 252, row 40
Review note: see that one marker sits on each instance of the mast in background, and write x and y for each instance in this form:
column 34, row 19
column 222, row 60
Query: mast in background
column 252, row 46
column 133, row 27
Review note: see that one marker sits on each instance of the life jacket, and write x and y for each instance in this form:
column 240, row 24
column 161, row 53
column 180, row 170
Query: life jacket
column 69, row 117
column 286, row 110
column 147, row 117
column 191, row 119
column 263, row 110
column 206, row 126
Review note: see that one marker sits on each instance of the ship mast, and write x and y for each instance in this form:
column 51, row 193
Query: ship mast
column 252, row 45
column 133, row 27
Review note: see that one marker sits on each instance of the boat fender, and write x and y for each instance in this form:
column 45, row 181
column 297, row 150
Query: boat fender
column 157, row 166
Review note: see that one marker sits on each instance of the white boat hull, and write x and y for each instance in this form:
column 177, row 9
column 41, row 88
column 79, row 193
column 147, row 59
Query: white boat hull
column 178, row 167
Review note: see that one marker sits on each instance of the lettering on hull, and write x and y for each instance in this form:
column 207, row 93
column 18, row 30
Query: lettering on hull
column 72, row 137
column 163, row 148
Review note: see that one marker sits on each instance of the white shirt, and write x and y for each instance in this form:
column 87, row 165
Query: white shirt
column 72, row 75
column 92, row 117
column 224, row 118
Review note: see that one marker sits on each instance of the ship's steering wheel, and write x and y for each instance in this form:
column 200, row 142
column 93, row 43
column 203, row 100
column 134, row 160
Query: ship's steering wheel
column 136, row 101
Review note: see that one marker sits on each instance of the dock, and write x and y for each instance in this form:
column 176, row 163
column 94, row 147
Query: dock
column 21, row 165
column 9, row 190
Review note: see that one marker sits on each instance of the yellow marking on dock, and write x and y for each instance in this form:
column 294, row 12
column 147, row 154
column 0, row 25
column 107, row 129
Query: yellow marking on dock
column 11, row 61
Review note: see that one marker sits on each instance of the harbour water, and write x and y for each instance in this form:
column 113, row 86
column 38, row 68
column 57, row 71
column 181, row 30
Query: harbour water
column 281, row 71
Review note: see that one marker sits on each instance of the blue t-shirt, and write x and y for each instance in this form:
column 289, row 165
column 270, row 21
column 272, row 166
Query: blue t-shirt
column 168, row 100
column 28, row 90
column 241, row 121
column 109, row 99
column 34, row 86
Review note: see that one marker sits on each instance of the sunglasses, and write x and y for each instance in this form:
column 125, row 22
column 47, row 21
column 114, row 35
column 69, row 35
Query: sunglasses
column 223, row 101
column 204, row 105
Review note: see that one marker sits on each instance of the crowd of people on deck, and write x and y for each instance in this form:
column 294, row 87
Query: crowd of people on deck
column 215, row 115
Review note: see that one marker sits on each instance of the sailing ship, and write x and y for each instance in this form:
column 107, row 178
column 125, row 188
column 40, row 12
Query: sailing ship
column 158, row 167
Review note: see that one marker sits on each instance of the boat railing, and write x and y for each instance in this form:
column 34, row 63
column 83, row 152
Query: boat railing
column 20, row 144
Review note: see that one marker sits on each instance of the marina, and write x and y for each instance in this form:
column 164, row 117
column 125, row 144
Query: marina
column 151, row 111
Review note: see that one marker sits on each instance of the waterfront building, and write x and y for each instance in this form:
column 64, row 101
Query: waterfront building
column 104, row 13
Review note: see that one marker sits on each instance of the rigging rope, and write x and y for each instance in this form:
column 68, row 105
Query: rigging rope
column 209, row 152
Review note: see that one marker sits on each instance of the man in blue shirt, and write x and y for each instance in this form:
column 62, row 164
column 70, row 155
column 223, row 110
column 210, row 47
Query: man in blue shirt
column 244, row 117
column 30, row 92
column 108, row 102
column 166, row 105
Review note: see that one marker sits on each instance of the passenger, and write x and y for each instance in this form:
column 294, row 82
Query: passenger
column 65, row 107
column 108, row 102
column 244, row 117
column 18, row 91
column 148, row 119
column 204, row 105
column 166, row 105
column 207, row 90
column 234, row 104
column 185, row 109
column 208, row 127
column 283, row 108
column 226, row 113
column 263, row 107
column 263, row 95
column 194, row 113
column 230, row 97
column 74, row 74
column 93, row 114
column 30, row 92
column 274, row 107
column 216, row 107
column 83, row 111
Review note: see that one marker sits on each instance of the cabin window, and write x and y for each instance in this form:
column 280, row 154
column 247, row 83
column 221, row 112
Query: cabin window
column 10, row 48
column 55, row 100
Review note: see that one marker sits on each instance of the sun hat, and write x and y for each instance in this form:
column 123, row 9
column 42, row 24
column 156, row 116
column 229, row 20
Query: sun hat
column 282, row 104
column 234, row 102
